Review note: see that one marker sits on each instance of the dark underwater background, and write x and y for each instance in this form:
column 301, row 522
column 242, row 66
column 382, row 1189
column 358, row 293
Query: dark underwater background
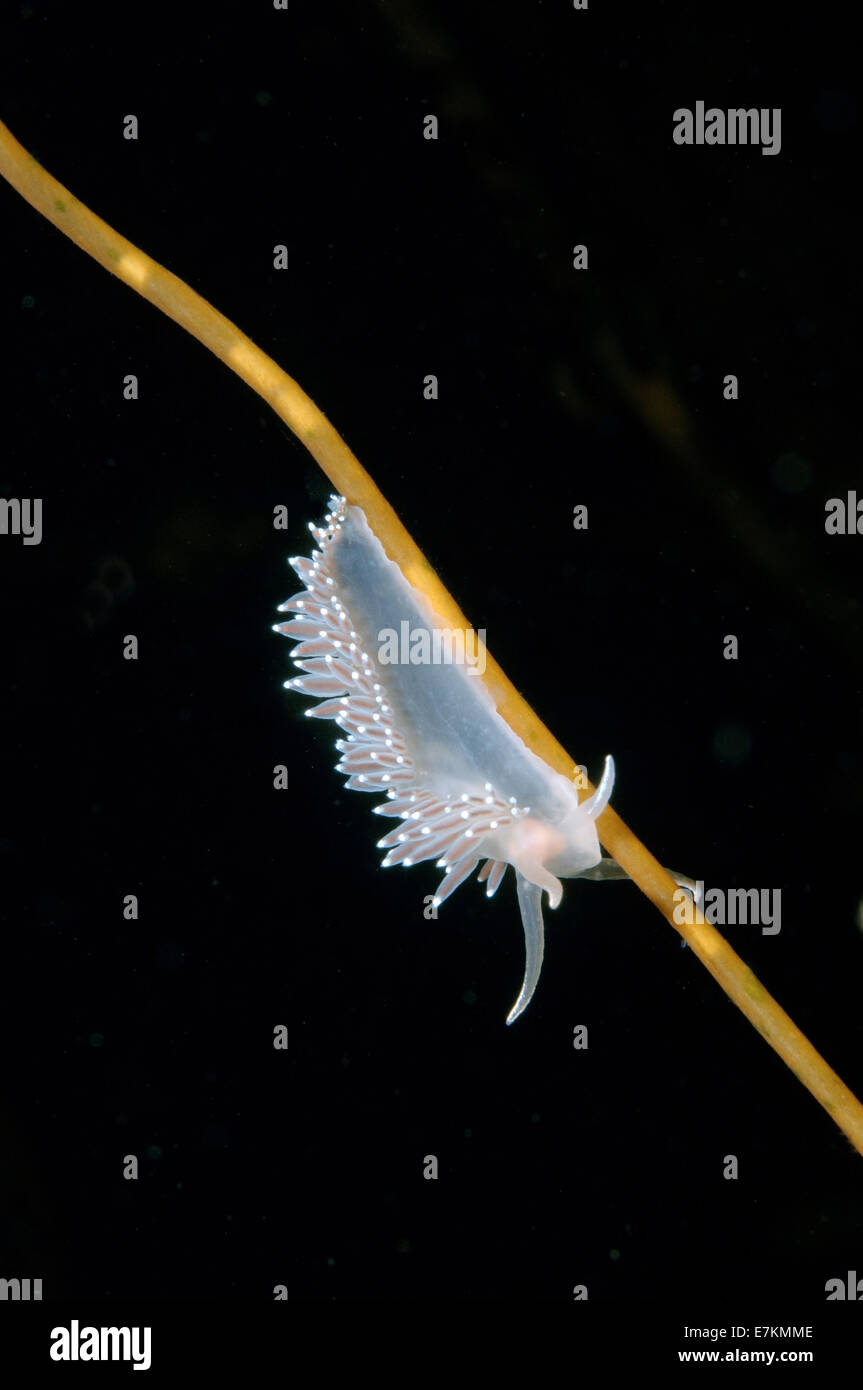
column 557, row 387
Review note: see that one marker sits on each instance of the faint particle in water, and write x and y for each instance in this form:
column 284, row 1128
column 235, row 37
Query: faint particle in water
column 28, row 302
column 835, row 110
column 96, row 1039
column 112, row 583
column 469, row 997
column 614, row 1254
column 732, row 744
column 153, row 1151
column 170, row 956
column 116, row 575
column 791, row 473
column 403, row 1246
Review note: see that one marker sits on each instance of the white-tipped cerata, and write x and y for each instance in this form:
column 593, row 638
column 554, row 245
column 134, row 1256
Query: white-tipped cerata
column 465, row 790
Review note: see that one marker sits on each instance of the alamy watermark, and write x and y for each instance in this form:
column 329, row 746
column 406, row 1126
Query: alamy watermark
column 849, row 1289
column 77, row 1343
column 731, row 907
column 21, row 516
column 20, row 1290
column 844, row 516
column 737, row 126
column 438, row 646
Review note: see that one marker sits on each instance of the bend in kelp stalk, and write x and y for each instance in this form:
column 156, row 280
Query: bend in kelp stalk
column 176, row 299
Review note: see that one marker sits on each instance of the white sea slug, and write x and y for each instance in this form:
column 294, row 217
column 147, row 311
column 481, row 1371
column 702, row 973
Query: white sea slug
column 463, row 786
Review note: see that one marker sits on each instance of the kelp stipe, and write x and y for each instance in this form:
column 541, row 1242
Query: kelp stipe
column 349, row 479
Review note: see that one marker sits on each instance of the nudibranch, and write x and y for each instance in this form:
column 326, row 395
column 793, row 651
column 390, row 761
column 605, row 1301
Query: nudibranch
column 463, row 786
